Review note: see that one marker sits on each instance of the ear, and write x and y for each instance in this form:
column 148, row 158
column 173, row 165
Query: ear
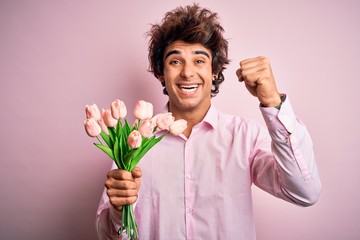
column 161, row 79
column 215, row 75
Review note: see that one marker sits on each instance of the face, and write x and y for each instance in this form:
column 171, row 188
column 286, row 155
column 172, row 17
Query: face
column 188, row 76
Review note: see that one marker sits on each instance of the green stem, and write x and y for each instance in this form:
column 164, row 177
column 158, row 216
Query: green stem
column 128, row 223
column 164, row 134
column 99, row 140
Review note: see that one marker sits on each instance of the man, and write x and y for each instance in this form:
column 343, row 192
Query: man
column 198, row 185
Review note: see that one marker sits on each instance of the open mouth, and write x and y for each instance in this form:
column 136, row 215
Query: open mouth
column 189, row 88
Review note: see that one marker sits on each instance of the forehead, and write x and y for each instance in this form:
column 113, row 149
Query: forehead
column 182, row 47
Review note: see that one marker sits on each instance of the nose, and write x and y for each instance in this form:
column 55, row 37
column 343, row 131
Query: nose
column 187, row 71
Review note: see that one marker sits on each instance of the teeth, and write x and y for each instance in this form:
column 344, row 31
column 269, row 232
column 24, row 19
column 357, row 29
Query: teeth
column 189, row 88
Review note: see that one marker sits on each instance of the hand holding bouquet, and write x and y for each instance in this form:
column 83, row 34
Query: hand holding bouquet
column 126, row 144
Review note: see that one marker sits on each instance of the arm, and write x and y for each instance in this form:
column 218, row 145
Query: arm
column 288, row 170
column 121, row 189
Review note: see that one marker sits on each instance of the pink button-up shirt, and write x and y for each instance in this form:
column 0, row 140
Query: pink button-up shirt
column 200, row 187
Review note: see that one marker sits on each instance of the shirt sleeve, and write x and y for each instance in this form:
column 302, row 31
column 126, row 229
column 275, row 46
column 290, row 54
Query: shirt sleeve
column 108, row 219
column 288, row 170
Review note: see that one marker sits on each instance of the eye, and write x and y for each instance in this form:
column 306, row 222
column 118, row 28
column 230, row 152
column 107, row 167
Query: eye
column 174, row 62
column 200, row 61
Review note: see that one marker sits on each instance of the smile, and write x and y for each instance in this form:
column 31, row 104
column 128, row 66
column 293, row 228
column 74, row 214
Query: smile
column 189, row 88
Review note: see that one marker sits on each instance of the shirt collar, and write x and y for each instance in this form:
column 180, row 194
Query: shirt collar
column 211, row 117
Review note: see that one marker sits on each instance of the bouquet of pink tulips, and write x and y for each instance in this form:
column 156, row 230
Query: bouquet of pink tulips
column 126, row 144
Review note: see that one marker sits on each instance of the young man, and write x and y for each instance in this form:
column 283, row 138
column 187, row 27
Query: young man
column 198, row 185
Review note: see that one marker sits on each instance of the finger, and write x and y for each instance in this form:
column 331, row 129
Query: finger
column 251, row 80
column 257, row 72
column 121, row 193
column 239, row 75
column 136, row 173
column 254, row 61
column 119, row 202
column 254, row 69
column 120, row 174
column 120, row 184
column 251, row 66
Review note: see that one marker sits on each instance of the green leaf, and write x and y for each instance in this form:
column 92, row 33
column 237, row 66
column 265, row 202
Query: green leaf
column 106, row 138
column 127, row 160
column 112, row 135
column 127, row 128
column 116, row 152
column 124, row 148
column 141, row 151
column 119, row 129
column 106, row 150
column 121, row 162
column 155, row 128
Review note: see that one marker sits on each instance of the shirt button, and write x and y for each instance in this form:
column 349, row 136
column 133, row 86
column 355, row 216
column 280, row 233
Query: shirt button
column 188, row 177
column 190, row 210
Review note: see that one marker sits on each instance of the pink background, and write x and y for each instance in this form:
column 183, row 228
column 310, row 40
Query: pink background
column 58, row 56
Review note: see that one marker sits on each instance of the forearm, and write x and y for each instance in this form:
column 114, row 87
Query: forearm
column 108, row 220
column 296, row 167
column 294, row 172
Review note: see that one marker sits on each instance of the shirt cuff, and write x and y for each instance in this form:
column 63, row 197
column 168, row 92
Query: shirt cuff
column 276, row 119
column 115, row 216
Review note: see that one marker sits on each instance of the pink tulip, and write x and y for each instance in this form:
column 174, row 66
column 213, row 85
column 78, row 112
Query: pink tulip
column 118, row 109
column 103, row 126
column 178, row 127
column 108, row 119
column 164, row 121
column 146, row 128
column 154, row 119
column 92, row 128
column 92, row 111
column 143, row 110
column 134, row 139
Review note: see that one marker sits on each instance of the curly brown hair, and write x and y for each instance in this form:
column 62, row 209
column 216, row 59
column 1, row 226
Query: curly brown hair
column 191, row 24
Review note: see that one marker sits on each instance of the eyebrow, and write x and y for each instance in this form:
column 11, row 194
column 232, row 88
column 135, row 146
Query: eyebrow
column 203, row 53
column 178, row 52
column 172, row 52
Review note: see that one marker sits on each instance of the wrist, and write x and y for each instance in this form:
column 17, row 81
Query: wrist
column 275, row 103
column 282, row 97
column 118, row 209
